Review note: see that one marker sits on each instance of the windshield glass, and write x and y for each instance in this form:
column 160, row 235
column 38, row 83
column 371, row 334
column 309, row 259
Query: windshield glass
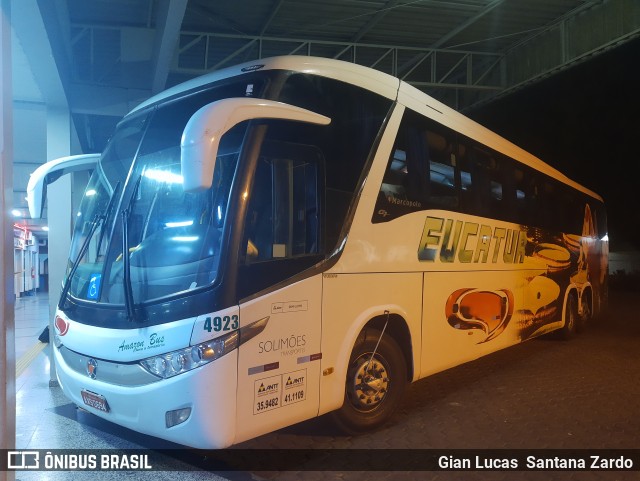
column 101, row 193
column 174, row 237
column 151, row 243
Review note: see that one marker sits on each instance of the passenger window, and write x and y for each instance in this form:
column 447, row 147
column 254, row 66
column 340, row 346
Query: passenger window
column 496, row 190
column 394, row 181
column 483, row 167
column 465, row 180
column 433, row 167
column 442, row 173
column 421, row 173
column 522, row 197
column 468, row 179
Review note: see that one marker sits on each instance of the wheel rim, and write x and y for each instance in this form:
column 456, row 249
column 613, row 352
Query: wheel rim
column 368, row 383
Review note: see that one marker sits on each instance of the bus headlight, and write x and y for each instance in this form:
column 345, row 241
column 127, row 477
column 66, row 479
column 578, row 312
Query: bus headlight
column 176, row 362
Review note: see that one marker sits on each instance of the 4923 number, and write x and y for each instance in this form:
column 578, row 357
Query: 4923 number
column 217, row 324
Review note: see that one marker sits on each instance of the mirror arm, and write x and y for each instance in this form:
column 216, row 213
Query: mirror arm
column 201, row 136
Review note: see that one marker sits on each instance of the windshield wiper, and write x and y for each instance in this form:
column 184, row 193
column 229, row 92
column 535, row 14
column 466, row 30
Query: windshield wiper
column 129, row 301
column 107, row 213
column 97, row 220
column 83, row 249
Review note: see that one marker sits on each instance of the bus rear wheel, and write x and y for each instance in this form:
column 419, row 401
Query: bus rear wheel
column 571, row 319
column 376, row 379
column 587, row 313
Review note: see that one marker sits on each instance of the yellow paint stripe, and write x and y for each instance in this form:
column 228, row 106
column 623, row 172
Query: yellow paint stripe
column 28, row 357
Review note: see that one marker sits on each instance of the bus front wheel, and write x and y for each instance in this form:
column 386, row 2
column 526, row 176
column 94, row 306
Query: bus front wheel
column 376, row 379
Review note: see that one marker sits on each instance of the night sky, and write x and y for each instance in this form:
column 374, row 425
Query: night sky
column 586, row 123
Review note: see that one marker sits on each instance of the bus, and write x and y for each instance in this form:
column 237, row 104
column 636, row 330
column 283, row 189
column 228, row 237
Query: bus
column 298, row 236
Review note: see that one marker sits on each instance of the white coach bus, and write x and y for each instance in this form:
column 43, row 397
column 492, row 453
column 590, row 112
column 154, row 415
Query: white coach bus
column 297, row 236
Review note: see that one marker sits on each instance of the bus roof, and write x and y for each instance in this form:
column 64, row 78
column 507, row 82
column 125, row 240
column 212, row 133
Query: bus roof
column 368, row 78
column 384, row 85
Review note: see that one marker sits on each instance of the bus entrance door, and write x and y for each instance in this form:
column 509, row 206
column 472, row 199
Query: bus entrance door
column 279, row 369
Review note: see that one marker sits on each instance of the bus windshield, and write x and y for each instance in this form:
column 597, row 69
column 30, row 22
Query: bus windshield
column 151, row 242
column 173, row 236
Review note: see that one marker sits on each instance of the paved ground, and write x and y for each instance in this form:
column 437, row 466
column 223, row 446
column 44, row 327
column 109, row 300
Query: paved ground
column 542, row 394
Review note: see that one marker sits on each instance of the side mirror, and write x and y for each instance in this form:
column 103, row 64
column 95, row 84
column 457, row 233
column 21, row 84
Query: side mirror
column 201, row 136
column 49, row 172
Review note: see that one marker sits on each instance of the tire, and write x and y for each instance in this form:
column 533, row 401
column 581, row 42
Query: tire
column 368, row 405
column 571, row 319
column 586, row 308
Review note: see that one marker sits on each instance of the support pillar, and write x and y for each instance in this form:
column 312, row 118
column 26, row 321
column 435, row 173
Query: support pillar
column 59, row 215
column 7, row 295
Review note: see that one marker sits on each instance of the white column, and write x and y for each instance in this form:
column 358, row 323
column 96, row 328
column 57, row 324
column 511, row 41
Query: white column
column 7, row 296
column 59, row 215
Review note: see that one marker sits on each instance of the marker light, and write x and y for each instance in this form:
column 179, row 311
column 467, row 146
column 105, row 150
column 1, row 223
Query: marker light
column 178, row 416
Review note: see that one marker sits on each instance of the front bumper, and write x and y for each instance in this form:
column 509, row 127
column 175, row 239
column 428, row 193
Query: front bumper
column 210, row 392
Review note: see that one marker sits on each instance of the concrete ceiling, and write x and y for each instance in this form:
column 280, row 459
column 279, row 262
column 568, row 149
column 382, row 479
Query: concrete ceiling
column 100, row 58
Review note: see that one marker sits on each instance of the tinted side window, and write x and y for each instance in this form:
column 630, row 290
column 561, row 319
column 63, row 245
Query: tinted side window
column 421, row 173
column 432, row 167
column 346, row 143
column 306, row 180
column 284, row 227
column 283, row 219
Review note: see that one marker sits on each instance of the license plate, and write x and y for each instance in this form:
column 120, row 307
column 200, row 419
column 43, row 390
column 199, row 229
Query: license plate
column 96, row 401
